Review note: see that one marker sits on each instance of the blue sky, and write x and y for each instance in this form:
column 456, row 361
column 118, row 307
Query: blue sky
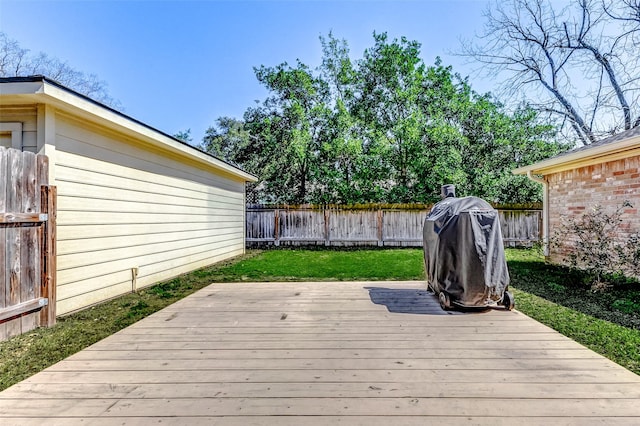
column 179, row 65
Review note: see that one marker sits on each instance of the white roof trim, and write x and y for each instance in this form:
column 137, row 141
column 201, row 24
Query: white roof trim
column 599, row 154
column 67, row 100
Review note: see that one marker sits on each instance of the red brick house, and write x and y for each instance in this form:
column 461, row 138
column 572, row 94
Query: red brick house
column 605, row 173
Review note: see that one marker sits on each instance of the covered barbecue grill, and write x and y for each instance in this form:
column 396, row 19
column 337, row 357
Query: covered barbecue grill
column 464, row 254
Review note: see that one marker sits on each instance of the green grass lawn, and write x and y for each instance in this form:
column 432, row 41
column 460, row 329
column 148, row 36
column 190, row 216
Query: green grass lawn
column 608, row 323
column 326, row 265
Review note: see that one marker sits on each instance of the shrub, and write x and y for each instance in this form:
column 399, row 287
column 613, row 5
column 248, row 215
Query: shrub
column 630, row 254
column 595, row 243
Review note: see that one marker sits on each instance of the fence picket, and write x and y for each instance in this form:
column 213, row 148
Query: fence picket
column 12, row 250
column 29, row 242
column 4, row 178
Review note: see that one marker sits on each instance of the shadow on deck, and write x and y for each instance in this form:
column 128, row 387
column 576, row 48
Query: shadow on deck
column 408, row 301
column 415, row 301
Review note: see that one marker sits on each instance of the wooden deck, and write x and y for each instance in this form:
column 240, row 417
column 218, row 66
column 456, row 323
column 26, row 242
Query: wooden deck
column 377, row 353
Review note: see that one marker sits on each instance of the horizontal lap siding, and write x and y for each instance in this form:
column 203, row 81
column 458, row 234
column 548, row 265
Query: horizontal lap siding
column 122, row 207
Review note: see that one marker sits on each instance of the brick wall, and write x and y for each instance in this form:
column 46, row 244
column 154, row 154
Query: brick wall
column 574, row 192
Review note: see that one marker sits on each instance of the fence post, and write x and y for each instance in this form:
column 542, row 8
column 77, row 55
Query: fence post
column 48, row 198
column 380, row 223
column 540, row 225
column 326, row 227
column 276, row 228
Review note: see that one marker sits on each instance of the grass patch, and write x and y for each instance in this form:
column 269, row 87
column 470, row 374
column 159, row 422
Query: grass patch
column 529, row 272
column 608, row 323
column 327, row 265
column 616, row 342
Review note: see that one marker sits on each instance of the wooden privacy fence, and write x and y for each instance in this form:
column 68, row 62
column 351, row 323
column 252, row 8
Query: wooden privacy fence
column 27, row 243
column 370, row 226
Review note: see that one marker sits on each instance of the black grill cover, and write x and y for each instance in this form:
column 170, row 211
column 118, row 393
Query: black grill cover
column 464, row 253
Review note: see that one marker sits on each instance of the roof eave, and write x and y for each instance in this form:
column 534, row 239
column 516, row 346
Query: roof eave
column 42, row 90
column 608, row 152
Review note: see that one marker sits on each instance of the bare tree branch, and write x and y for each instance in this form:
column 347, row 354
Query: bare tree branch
column 580, row 41
column 578, row 63
column 16, row 61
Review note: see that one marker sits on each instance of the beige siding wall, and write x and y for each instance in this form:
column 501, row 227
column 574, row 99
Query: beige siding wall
column 28, row 117
column 609, row 184
column 122, row 206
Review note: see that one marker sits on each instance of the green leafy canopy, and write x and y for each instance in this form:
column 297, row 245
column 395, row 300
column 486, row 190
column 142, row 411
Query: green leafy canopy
column 382, row 128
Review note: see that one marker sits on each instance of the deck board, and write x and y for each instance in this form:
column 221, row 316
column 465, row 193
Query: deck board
column 364, row 353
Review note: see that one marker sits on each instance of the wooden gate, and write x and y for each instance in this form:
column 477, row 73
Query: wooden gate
column 27, row 243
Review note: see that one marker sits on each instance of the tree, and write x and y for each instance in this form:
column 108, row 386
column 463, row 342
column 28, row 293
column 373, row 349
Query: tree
column 577, row 64
column 291, row 127
column 390, row 79
column 497, row 143
column 184, row 136
column 384, row 128
column 444, row 146
column 346, row 164
column 473, row 142
column 227, row 140
column 18, row 62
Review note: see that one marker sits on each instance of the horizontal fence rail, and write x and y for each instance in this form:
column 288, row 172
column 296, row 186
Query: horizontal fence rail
column 376, row 225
